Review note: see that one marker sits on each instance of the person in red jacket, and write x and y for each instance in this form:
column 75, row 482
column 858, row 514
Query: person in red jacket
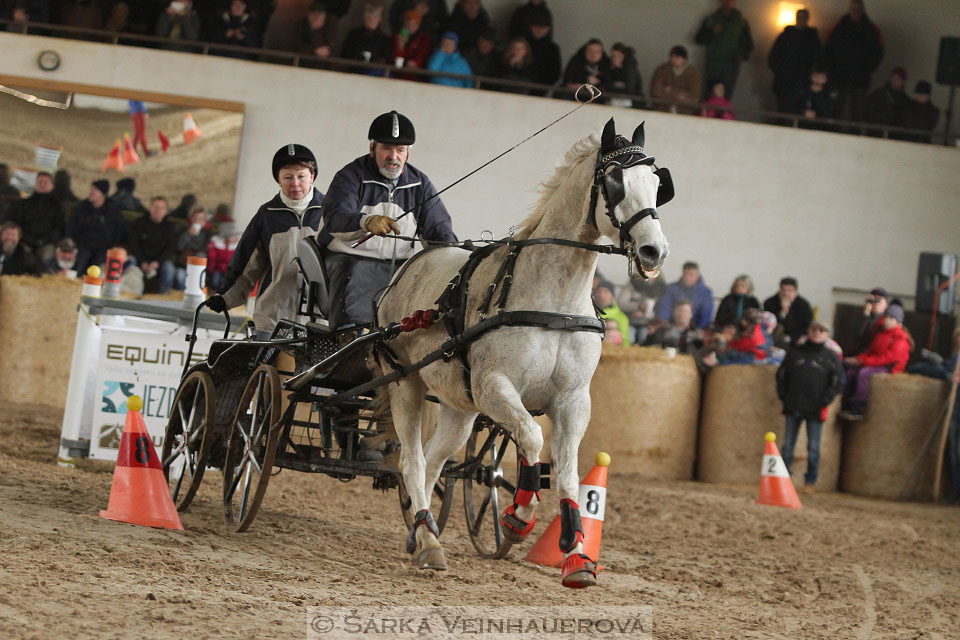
column 888, row 353
column 219, row 252
column 411, row 46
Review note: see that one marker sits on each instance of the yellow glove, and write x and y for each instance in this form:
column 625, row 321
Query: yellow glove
column 381, row 225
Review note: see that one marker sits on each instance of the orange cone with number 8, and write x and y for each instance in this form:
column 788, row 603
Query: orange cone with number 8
column 139, row 494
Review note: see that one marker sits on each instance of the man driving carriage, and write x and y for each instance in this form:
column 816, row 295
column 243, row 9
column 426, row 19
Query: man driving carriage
column 268, row 246
column 371, row 195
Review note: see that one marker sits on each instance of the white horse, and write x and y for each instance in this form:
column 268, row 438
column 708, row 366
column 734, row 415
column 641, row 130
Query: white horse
column 514, row 368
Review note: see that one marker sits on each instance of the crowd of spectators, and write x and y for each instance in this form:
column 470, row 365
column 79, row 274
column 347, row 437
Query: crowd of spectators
column 829, row 78
column 53, row 231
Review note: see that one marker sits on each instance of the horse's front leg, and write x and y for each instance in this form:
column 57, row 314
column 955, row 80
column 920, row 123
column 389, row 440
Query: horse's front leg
column 496, row 396
column 570, row 413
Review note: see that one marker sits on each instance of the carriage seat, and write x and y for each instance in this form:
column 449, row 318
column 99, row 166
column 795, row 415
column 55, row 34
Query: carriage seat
column 314, row 283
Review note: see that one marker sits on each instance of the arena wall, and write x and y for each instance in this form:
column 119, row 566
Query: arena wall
column 832, row 210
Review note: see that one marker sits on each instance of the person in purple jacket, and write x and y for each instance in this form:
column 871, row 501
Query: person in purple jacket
column 690, row 287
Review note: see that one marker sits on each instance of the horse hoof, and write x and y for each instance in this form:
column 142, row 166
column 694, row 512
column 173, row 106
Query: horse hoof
column 430, row 559
column 514, row 529
column 579, row 571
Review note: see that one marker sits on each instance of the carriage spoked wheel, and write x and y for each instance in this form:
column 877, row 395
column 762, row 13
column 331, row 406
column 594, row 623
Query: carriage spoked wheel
column 442, row 495
column 488, row 488
column 251, row 447
column 186, row 443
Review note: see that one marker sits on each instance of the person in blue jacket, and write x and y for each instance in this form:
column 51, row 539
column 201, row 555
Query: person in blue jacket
column 690, row 287
column 448, row 60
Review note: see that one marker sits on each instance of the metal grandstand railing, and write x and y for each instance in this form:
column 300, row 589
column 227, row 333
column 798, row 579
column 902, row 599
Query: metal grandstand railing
column 274, row 56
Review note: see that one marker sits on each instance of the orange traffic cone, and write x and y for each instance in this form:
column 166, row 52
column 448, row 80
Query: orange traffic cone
column 776, row 488
column 190, row 130
column 114, row 159
column 164, row 141
column 139, row 494
column 592, row 502
column 129, row 153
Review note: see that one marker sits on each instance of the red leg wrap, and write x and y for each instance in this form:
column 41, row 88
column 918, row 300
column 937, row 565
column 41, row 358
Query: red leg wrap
column 516, row 529
column 579, row 571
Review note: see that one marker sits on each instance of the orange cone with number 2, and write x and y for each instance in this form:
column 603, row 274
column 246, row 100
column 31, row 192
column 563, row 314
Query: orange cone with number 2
column 776, row 488
column 139, row 494
column 592, row 502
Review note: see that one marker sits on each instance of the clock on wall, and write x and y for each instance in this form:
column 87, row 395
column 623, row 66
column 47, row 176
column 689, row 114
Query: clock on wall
column 48, row 60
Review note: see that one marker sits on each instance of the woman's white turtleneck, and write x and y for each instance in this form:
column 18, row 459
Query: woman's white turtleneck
column 299, row 206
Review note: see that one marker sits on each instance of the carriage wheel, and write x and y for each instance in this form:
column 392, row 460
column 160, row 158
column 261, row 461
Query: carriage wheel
column 251, row 447
column 186, row 442
column 488, row 488
column 442, row 491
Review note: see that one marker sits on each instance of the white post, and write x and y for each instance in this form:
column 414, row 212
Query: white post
column 85, row 344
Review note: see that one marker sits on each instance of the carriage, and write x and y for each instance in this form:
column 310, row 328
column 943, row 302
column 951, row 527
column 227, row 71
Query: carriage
column 304, row 398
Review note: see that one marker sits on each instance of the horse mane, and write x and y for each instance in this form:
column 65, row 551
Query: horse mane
column 549, row 188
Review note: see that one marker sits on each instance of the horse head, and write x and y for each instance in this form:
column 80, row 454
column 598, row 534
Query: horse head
column 632, row 187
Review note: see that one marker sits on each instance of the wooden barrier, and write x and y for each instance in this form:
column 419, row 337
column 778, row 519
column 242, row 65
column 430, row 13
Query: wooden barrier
column 891, row 449
column 740, row 404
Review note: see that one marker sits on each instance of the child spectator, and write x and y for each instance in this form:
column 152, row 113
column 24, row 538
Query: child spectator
column 809, row 379
column 734, row 304
column 193, row 241
column 717, row 99
column 751, row 346
column 448, row 60
column 679, row 334
column 219, row 252
column 603, row 298
column 433, row 15
column 888, row 353
column 612, row 334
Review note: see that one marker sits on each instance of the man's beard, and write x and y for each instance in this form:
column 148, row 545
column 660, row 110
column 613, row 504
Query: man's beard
column 66, row 264
column 9, row 248
column 391, row 171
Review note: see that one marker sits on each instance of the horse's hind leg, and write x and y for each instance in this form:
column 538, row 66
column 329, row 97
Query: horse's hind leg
column 570, row 414
column 496, row 396
column 453, row 429
column 406, row 405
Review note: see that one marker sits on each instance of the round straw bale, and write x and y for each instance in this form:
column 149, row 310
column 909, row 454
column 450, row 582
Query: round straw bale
column 885, row 452
column 38, row 320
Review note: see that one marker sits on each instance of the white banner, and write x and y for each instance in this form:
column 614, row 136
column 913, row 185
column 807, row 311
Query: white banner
column 136, row 361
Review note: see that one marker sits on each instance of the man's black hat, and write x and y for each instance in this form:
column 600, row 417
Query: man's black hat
column 292, row 154
column 392, row 128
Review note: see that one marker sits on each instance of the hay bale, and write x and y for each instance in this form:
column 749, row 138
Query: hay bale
column 740, row 405
column 644, row 413
column 883, row 450
column 38, row 320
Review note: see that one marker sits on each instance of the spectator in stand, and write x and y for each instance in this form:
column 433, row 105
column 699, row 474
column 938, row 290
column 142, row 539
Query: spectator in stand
column 62, row 191
column 40, row 218
column 153, row 242
column 484, row 60
column 717, row 99
column 448, row 60
column 517, row 64
column 433, row 15
column 809, row 379
column 546, row 54
column 336, row 10
column 468, row 20
column 919, row 113
column 793, row 56
column 131, row 277
column 85, row 14
column 680, row 334
column 138, row 117
column 852, row 53
column 612, row 333
column 219, row 252
column 236, row 26
column 752, row 345
column 22, row 11
column 604, row 299
column 636, row 299
column 124, row 197
column 192, row 242
column 411, row 47
column 794, row 314
column 222, row 213
column 886, row 104
column 520, row 21
column 888, row 353
column 871, row 323
column 95, row 225
column 119, row 19
column 179, row 21
column 676, row 81
column 726, row 34
column 624, row 76
column 690, row 287
column 819, row 99
column 16, row 259
column 589, row 65
column 63, row 260
column 186, row 206
column 367, row 42
column 315, row 37
column 735, row 303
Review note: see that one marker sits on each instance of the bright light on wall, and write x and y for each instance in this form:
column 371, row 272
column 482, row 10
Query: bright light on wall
column 787, row 14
